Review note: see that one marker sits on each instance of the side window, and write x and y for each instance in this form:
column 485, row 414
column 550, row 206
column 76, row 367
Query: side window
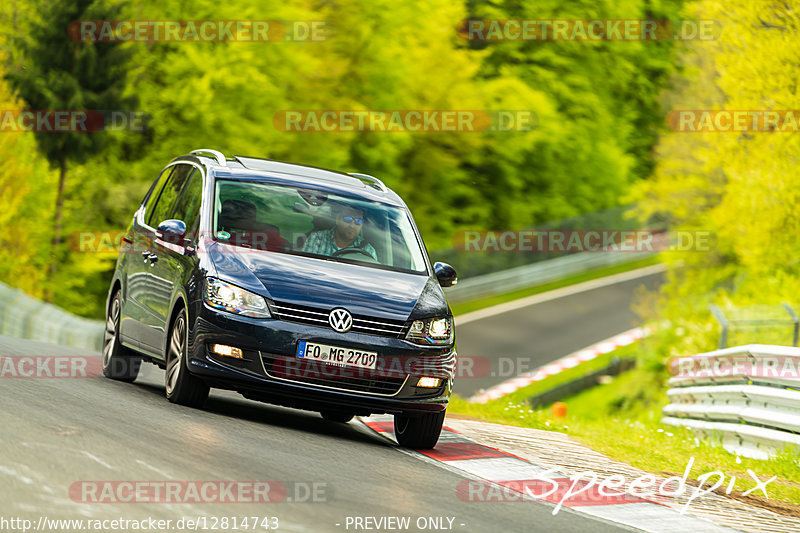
column 188, row 208
column 155, row 191
column 169, row 195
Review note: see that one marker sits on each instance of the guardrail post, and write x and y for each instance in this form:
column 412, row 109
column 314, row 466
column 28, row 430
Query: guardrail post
column 795, row 320
column 723, row 322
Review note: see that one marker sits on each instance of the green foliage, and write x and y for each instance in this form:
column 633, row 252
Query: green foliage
column 51, row 72
column 57, row 73
column 595, row 102
column 21, row 253
column 622, row 419
column 602, row 106
column 742, row 187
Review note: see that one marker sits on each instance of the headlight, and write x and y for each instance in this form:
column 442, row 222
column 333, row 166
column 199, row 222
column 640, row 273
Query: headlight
column 230, row 298
column 431, row 331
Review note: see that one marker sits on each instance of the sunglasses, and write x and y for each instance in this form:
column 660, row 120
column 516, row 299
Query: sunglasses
column 351, row 220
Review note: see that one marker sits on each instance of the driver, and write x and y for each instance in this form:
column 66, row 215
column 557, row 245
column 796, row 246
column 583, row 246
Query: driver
column 345, row 234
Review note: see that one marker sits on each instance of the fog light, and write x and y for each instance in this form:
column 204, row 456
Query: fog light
column 428, row 382
column 227, row 351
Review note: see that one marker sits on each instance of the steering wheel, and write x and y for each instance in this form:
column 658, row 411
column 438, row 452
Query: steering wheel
column 350, row 250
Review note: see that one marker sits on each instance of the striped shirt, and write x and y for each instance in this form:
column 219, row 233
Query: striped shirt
column 322, row 243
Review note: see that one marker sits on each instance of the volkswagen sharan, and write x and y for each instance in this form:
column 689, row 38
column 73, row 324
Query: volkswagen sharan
column 289, row 284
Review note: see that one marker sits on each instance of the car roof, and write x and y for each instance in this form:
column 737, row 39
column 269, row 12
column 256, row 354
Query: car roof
column 243, row 168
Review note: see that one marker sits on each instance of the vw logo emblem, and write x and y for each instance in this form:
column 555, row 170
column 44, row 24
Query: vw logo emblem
column 340, row 320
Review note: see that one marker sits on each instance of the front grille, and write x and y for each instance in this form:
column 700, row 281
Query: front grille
column 329, row 376
column 316, row 316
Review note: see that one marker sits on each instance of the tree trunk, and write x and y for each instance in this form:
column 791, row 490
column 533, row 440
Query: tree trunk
column 62, row 174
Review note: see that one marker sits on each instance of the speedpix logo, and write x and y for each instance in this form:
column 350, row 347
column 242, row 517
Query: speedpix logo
column 588, row 488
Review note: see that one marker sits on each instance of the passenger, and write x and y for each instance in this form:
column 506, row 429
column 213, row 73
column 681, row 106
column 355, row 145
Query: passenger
column 239, row 219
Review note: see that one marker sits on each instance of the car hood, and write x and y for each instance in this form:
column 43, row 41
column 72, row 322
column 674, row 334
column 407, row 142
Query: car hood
column 327, row 284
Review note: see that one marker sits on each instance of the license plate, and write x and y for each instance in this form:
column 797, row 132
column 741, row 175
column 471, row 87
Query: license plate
column 334, row 355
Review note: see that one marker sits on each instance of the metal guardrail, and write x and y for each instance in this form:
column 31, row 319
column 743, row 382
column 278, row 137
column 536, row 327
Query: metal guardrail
column 765, row 321
column 748, row 396
column 526, row 276
column 470, row 264
column 26, row 317
column 615, row 367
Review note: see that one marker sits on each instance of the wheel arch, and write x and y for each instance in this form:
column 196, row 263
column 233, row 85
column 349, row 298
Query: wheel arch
column 116, row 285
column 177, row 306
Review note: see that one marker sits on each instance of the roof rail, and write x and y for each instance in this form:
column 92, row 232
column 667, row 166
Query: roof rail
column 219, row 156
column 372, row 181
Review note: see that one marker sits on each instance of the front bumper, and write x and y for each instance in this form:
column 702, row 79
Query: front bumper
column 270, row 372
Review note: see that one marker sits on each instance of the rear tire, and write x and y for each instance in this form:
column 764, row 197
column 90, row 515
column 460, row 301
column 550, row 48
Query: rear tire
column 119, row 363
column 182, row 387
column 337, row 416
column 418, row 432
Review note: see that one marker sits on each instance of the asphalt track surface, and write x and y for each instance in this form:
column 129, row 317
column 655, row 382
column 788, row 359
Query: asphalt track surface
column 503, row 346
column 58, row 432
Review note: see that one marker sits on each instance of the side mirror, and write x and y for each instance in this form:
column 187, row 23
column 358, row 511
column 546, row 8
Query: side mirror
column 172, row 231
column 445, row 274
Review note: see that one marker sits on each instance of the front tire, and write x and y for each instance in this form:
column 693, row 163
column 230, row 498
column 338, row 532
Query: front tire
column 182, row 387
column 119, row 363
column 418, row 432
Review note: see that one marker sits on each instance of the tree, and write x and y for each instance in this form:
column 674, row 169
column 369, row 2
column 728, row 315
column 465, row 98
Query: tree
column 599, row 108
column 595, row 107
column 741, row 186
column 58, row 73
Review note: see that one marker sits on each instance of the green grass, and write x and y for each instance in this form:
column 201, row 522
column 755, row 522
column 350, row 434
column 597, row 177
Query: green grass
column 570, row 374
column 622, row 420
column 474, row 305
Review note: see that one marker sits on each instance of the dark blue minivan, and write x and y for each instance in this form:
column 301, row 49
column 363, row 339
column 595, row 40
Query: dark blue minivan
column 289, row 284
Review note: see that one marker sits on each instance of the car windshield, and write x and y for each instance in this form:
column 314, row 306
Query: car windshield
column 314, row 223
